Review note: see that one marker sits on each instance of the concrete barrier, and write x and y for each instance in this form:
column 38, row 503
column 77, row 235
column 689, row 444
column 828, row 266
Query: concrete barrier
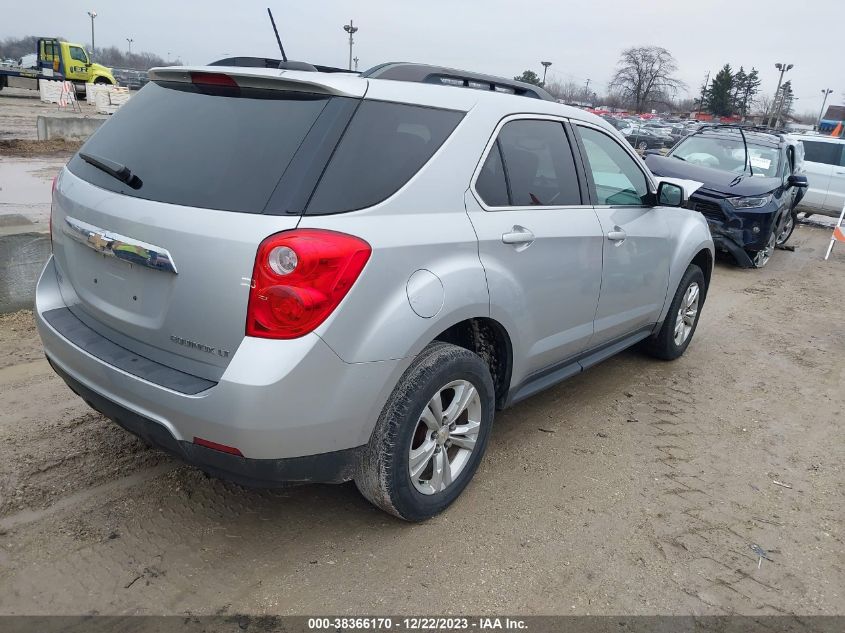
column 67, row 127
column 22, row 256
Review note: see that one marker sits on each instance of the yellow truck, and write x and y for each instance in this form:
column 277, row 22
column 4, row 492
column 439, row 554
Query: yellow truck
column 55, row 60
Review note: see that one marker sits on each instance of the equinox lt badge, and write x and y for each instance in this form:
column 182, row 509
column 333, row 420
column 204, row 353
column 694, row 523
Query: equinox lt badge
column 224, row 353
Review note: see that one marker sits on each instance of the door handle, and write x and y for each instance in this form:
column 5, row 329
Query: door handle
column 518, row 235
column 617, row 235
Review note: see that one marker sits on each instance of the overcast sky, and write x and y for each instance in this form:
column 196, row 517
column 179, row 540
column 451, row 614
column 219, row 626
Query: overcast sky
column 582, row 38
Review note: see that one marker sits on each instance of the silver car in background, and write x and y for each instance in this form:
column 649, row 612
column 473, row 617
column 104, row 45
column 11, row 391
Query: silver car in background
column 287, row 276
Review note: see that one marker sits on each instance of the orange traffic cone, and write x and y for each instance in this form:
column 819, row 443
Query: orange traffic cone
column 837, row 131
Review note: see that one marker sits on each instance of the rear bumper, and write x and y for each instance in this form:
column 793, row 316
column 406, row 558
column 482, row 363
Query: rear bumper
column 334, row 467
column 276, row 400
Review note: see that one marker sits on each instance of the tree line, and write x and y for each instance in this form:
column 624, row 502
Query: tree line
column 111, row 56
column 645, row 79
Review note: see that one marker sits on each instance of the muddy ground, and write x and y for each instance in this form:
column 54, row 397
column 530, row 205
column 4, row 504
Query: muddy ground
column 638, row 487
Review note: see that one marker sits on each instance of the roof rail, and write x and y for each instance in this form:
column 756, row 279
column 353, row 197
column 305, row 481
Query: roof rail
column 747, row 128
column 439, row 75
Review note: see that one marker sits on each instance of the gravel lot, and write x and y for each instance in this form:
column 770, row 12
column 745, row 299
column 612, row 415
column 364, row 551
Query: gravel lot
column 638, row 487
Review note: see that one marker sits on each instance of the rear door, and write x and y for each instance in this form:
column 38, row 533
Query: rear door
column 821, row 160
column 637, row 242
column 539, row 241
column 161, row 264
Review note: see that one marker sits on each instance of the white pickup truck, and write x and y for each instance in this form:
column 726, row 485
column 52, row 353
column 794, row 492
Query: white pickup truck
column 824, row 166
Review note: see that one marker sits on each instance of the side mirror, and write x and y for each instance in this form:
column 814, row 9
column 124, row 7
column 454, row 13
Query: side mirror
column 797, row 181
column 652, row 152
column 670, row 195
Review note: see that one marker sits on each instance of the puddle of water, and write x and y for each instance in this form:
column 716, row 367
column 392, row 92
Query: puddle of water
column 25, row 186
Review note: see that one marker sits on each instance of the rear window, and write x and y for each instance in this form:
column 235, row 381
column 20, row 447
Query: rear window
column 383, row 147
column 203, row 147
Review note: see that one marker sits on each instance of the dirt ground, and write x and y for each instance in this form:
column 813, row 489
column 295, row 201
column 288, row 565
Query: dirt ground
column 638, row 487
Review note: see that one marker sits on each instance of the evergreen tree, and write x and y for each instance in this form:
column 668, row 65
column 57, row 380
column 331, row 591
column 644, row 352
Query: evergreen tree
column 719, row 94
column 530, row 77
column 740, row 79
column 750, row 90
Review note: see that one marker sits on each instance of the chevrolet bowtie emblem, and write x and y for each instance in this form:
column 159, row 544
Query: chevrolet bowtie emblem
column 99, row 241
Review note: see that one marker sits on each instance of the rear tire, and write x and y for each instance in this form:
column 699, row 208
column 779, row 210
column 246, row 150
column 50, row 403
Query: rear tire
column 407, row 467
column 679, row 326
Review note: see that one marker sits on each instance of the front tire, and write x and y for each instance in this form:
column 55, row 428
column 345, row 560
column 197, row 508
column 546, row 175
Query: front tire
column 682, row 319
column 788, row 228
column 431, row 434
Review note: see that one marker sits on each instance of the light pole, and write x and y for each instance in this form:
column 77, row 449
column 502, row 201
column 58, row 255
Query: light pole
column 351, row 30
column 92, row 14
column 129, row 41
column 782, row 68
column 355, row 59
column 545, row 69
column 827, row 92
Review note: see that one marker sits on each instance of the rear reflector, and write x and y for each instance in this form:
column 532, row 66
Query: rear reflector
column 217, row 447
column 213, row 79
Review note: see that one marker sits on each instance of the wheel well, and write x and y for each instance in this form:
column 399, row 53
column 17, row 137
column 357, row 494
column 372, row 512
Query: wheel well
column 102, row 80
column 491, row 342
column 705, row 262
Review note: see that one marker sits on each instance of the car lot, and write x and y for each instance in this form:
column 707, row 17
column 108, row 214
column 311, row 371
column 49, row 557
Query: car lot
column 637, row 487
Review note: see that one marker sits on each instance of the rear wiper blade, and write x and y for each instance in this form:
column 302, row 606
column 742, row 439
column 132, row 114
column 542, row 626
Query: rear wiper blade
column 112, row 168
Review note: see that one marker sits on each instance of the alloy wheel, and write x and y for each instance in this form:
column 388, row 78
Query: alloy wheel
column 787, row 229
column 445, row 437
column 687, row 313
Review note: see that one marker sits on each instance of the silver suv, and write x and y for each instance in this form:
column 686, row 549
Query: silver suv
column 290, row 276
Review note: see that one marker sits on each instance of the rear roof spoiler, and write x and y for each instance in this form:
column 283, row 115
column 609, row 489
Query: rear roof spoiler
column 269, row 62
column 258, row 77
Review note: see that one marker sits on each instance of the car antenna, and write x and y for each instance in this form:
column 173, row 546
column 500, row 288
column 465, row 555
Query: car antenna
column 276, row 31
column 747, row 159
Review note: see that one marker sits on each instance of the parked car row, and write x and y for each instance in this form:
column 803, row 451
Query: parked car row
column 653, row 133
column 132, row 79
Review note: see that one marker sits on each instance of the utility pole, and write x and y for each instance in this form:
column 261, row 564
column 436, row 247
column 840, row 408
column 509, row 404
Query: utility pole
column 827, row 92
column 355, row 59
column 703, row 92
column 782, row 68
column 92, row 14
column 129, row 41
column 349, row 28
column 545, row 68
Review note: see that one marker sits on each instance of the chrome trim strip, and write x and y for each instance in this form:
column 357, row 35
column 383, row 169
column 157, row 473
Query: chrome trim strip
column 119, row 246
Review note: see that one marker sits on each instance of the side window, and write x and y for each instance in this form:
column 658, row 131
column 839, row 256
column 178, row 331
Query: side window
column 538, row 163
column 78, row 54
column 821, row 152
column 617, row 179
column 383, row 147
column 491, row 185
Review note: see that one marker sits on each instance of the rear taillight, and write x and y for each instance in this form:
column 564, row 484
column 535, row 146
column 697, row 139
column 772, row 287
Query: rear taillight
column 299, row 278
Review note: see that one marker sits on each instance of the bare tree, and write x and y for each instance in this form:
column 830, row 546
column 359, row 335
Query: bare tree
column 566, row 91
column 644, row 75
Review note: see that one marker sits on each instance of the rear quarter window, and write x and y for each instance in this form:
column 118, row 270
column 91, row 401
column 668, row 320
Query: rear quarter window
column 383, row 147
